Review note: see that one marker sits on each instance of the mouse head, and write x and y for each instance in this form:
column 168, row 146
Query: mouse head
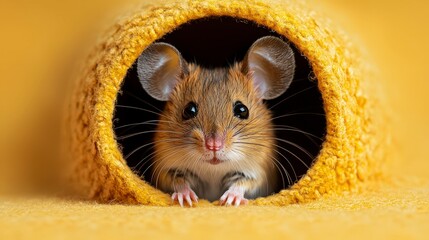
column 216, row 115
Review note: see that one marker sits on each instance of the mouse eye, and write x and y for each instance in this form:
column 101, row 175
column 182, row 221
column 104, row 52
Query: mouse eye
column 190, row 111
column 240, row 110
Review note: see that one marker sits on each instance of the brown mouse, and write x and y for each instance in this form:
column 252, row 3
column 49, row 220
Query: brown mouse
column 215, row 139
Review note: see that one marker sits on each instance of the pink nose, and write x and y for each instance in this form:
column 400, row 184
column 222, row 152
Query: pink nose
column 214, row 143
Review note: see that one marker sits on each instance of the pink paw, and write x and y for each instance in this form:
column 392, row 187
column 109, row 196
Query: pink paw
column 184, row 193
column 234, row 195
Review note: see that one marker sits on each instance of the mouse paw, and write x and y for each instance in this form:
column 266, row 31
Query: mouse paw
column 234, row 195
column 184, row 193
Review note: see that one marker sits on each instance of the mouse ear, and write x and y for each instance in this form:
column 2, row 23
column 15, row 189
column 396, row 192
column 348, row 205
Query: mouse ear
column 271, row 64
column 159, row 68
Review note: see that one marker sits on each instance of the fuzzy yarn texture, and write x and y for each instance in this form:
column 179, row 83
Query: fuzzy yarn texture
column 352, row 156
column 390, row 213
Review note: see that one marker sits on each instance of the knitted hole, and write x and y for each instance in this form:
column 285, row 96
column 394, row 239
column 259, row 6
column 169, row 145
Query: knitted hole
column 215, row 42
column 339, row 89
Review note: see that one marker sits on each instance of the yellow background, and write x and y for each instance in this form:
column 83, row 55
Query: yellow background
column 42, row 41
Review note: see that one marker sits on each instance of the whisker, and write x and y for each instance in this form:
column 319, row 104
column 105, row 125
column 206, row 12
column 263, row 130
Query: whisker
column 267, row 182
column 151, row 155
column 257, row 144
column 293, row 129
column 275, row 164
column 162, row 164
column 143, row 132
column 297, row 146
column 150, row 165
column 141, row 100
column 301, row 79
column 142, row 161
column 270, row 108
column 285, row 141
column 163, row 167
column 175, row 173
column 151, row 143
column 289, row 178
column 158, row 160
column 281, row 173
column 291, row 96
column 297, row 114
column 290, row 152
column 150, row 122
column 306, row 134
column 140, row 109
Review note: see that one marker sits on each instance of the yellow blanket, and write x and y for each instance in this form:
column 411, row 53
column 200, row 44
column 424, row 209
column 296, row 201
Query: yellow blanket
column 390, row 213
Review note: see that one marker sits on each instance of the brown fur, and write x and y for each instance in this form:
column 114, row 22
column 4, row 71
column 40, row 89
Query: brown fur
column 179, row 144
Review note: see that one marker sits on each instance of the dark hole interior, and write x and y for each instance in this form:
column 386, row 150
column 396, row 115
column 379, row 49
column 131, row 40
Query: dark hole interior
column 219, row 41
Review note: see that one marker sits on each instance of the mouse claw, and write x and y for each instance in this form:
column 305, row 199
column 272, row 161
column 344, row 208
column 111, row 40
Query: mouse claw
column 193, row 196
column 234, row 196
column 180, row 198
column 188, row 200
column 185, row 193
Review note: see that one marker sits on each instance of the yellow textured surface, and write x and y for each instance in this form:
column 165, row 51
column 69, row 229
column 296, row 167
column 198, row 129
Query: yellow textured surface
column 44, row 35
column 357, row 136
column 387, row 214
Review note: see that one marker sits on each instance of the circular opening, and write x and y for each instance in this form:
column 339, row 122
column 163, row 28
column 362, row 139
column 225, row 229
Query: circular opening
column 298, row 115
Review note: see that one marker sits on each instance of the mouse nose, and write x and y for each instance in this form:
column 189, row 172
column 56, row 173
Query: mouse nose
column 214, row 143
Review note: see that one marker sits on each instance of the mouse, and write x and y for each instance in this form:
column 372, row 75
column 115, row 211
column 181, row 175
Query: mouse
column 214, row 138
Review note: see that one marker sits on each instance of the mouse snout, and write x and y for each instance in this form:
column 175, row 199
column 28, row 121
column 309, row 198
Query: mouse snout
column 214, row 142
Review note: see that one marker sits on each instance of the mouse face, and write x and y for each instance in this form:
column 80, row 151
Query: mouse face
column 215, row 132
column 219, row 116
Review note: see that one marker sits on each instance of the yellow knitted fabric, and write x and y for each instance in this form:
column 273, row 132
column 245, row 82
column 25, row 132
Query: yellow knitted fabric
column 357, row 138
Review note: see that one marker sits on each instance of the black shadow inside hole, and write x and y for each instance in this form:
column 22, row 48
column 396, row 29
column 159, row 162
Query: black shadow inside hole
column 299, row 116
